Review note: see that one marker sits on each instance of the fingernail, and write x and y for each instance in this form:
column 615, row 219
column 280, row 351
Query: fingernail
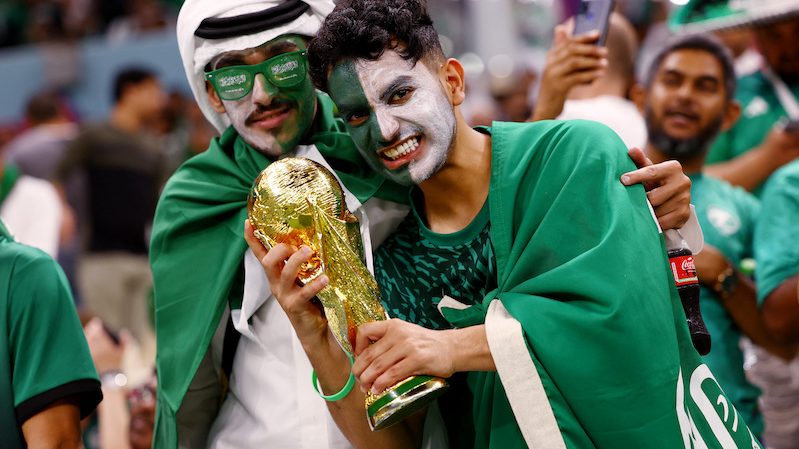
column 324, row 280
column 374, row 390
column 625, row 179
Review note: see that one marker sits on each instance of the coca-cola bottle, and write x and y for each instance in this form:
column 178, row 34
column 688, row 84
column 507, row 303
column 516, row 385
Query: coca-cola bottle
column 683, row 269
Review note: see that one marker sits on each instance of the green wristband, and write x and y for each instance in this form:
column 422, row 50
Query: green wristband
column 341, row 394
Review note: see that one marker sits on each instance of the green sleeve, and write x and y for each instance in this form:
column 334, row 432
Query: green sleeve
column 51, row 359
column 777, row 232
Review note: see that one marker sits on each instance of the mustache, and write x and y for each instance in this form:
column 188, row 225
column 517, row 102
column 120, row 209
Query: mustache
column 686, row 111
column 264, row 110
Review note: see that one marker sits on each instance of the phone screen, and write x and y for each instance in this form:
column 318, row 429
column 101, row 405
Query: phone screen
column 593, row 15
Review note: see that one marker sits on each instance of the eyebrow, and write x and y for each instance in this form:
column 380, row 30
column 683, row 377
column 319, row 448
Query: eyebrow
column 399, row 81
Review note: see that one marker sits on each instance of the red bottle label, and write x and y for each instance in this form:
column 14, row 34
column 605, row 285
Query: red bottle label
column 684, row 270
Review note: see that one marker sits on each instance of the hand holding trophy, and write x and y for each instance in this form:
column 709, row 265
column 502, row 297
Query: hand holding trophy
column 299, row 202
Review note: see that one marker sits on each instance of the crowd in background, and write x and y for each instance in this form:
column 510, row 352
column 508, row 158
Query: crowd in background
column 42, row 21
column 92, row 187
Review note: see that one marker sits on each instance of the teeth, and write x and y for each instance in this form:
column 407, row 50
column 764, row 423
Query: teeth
column 401, row 150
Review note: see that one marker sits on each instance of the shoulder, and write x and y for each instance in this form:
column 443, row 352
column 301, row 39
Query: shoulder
column 573, row 140
column 28, row 266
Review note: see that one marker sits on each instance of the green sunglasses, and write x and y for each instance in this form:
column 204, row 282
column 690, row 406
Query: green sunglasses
column 283, row 70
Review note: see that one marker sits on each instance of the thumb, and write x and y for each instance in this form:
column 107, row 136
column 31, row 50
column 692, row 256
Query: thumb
column 369, row 333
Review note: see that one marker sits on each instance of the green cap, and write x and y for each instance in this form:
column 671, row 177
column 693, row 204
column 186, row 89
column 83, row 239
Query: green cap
column 713, row 15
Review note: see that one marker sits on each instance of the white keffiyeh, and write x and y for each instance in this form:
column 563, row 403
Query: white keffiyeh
column 196, row 52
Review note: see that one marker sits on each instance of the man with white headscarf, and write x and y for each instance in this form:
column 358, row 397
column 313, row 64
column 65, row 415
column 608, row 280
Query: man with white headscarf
column 211, row 296
column 246, row 63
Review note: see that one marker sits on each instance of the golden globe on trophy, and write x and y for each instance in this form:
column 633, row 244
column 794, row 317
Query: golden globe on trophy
column 299, row 202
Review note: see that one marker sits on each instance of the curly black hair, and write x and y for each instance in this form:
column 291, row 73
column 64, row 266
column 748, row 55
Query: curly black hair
column 364, row 29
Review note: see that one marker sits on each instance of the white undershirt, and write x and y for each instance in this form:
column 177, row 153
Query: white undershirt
column 32, row 213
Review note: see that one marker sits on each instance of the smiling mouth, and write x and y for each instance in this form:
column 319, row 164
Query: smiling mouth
column 682, row 115
column 398, row 151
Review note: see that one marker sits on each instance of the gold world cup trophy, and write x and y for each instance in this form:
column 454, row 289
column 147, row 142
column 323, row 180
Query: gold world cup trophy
column 299, row 202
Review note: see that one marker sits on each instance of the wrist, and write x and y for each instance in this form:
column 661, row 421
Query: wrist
column 113, row 379
column 725, row 283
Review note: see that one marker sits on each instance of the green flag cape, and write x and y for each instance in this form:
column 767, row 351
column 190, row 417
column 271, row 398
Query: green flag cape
column 198, row 246
column 586, row 327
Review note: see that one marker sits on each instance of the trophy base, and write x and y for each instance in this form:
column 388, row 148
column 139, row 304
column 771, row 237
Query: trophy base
column 403, row 399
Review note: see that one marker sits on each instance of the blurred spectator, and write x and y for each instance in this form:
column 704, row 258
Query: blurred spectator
column 777, row 255
column 687, row 100
column 512, row 95
column 759, row 144
column 741, row 43
column 125, row 418
column 583, row 81
column 143, row 16
column 47, row 380
column 124, row 169
column 31, row 208
column 38, row 150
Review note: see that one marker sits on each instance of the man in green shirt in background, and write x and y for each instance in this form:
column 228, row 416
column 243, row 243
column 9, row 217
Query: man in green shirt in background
column 47, row 378
column 760, row 142
column 687, row 100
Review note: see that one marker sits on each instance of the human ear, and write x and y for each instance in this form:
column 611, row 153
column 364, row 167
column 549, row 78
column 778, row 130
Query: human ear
column 454, row 81
column 216, row 103
column 731, row 114
column 637, row 95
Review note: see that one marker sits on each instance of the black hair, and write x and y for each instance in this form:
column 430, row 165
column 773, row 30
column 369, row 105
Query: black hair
column 702, row 42
column 130, row 76
column 43, row 107
column 364, row 29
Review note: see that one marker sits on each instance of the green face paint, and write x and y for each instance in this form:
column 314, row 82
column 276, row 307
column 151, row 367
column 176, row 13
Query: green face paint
column 277, row 111
column 397, row 113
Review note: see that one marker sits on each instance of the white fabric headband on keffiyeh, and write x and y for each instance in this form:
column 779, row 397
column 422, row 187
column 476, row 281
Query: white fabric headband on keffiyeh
column 227, row 25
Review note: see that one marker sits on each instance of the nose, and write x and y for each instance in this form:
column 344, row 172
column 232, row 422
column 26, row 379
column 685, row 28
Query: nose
column 685, row 90
column 262, row 90
column 389, row 127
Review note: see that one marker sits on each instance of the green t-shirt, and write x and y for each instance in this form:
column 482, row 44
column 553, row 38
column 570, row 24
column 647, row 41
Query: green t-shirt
column 760, row 110
column 727, row 215
column 415, row 268
column 777, row 231
column 43, row 354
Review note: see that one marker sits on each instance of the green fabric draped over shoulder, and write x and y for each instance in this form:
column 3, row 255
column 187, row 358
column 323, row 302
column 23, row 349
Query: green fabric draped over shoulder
column 198, row 245
column 582, row 268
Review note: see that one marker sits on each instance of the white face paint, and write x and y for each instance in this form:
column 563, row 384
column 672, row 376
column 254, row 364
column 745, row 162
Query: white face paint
column 273, row 120
column 397, row 113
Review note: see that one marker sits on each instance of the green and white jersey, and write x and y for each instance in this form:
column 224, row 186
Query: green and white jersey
column 415, row 268
column 727, row 215
column 777, row 231
column 44, row 357
column 760, row 110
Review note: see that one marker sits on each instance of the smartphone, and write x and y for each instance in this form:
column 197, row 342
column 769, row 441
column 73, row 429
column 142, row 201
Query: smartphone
column 593, row 15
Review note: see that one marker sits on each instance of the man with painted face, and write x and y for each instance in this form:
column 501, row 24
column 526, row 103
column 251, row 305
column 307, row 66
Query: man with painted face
column 559, row 317
column 246, row 65
column 687, row 100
